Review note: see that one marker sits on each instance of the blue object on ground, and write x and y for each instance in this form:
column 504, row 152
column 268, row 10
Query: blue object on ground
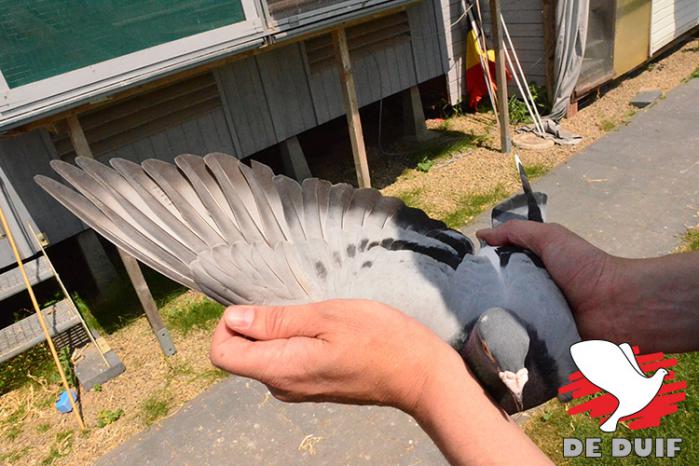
column 63, row 402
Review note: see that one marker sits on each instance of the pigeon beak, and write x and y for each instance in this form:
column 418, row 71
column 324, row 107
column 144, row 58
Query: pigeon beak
column 515, row 383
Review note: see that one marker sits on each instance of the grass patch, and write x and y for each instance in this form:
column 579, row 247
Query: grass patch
column 13, row 432
column 693, row 75
column 411, row 198
column 551, row 423
column 106, row 417
column 424, row 158
column 13, row 456
column 62, row 446
column 41, row 428
column 606, row 125
column 188, row 316
column 153, row 409
column 471, row 205
column 690, row 242
column 536, row 170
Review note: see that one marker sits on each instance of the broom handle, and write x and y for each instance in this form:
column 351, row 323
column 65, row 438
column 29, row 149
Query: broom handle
column 65, row 293
column 40, row 316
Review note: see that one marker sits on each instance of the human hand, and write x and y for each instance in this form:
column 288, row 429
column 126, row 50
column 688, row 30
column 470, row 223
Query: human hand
column 584, row 273
column 350, row 351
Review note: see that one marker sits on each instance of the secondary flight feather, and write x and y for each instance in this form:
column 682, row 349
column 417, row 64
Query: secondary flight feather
column 242, row 235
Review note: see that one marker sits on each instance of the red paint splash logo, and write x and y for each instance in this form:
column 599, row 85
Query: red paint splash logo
column 663, row 404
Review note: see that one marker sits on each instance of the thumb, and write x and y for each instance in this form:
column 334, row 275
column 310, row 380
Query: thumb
column 274, row 322
column 521, row 233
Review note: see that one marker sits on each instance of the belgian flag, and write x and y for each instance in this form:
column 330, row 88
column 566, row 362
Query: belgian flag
column 475, row 77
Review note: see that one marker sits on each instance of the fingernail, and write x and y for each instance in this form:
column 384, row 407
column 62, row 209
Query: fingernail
column 240, row 317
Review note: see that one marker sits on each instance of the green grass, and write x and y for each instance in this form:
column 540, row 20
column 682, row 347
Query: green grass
column 13, row 432
column 153, row 409
column 606, row 125
column 62, row 446
column 551, row 424
column 41, row 428
column 13, row 456
column 106, row 417
column 198, row 315
column 472, row 205
column 536, row 170
column 412, row 198
column 424, row 158
column 690, row 242
column 693, row 75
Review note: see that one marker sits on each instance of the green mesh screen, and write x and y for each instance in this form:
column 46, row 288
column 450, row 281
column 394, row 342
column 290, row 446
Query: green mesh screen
column 43, row 38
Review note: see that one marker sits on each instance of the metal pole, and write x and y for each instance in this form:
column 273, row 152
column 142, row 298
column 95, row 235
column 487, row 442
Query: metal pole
column 42, row 322
column 67, row 295
column 500, row 78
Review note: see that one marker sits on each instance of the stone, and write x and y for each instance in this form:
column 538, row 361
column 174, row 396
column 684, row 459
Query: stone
column 646, row 97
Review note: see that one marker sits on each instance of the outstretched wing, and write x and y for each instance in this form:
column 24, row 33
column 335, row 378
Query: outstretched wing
column 243, row 235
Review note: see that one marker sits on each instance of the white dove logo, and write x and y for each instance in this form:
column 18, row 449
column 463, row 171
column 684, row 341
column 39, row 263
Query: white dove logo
column 614, row 368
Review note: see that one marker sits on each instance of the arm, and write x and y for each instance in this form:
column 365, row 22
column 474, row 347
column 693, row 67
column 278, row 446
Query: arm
column 354, row 351
column 652, row 303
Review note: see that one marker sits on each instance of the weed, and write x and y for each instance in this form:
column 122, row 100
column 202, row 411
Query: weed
column 200, row 314
column 13, row 456
column 690, row 242
column 472, row 205
column 153, row 409
column 97, row 387
column 13, row 432
column 62, row 445
column 106, row 417
column 606, row 125
column 693, row 75
column 536, row 170
column 425, row 164
column 518, row 111
column 411, row 198
column 41, row 428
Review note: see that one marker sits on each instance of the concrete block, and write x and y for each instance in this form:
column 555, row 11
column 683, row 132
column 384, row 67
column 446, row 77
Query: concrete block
column 646, row 97
column 414, row 116
column 294, row 161
column 91, row 369
column 99, row 266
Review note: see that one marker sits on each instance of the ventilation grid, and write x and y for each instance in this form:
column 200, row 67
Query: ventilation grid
column 135, row 118
column 362, row 39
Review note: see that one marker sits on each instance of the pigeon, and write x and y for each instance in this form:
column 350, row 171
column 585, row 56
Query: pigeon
column 614, row 369
column 242, row 235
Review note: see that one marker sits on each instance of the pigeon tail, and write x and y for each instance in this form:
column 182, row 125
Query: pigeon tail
column 529, row 205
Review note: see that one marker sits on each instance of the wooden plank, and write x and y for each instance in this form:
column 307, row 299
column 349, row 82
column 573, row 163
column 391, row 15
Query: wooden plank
column 351, row 108
column 77, row 137
column 146, row 299
column 500, row 77
column 288, row 93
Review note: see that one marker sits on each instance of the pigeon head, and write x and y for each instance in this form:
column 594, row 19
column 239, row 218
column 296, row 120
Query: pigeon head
column 496, row 350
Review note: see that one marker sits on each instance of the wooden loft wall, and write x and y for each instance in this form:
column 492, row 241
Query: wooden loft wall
column 239, row 108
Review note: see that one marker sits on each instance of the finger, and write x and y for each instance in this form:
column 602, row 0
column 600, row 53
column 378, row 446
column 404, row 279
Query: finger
column 269, row 323
column 263, row 360
column 523, row 233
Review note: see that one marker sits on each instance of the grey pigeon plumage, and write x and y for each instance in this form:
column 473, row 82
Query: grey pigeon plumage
column 242, row 235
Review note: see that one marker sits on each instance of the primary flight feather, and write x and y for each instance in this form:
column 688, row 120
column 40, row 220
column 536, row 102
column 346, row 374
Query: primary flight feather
column 242, row 235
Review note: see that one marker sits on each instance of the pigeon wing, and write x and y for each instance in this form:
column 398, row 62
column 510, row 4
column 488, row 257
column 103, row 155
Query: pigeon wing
column 243, row 235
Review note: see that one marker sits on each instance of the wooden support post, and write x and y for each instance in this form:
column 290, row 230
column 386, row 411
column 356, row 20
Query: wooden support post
column 349, row 92
column 82, row 149
column 500, row 77
column 146, row 299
